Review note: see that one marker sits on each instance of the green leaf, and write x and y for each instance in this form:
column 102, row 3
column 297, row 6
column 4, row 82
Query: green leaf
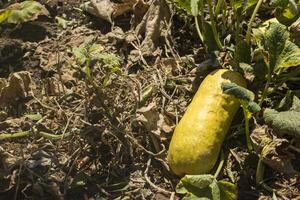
column 62, row 22
column 289, row 102
column 275, row 38
column 22, row 12
column 206, row 187
column 238, row 91
column 184, row 4
column 257, row 70
column 242, row 52
column 282, row 53
column 199, row 181
column 215, row 191
column 253, row 107
column 279, row 3
column 34, row 117
column 228, row 190
column 87, row 52
column 197, row 187
column 195, row 5
column 80, row 55
column 289, row 57
column 4, row 14
column 110, row 60
column 259, row 33
column 208, row 40
column 286, row 122
column 238, row 4
column 286, row 11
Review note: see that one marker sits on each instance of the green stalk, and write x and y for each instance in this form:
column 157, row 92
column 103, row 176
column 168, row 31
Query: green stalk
column 247, row 131
column 51, row 136
column 218, row 7
column 222, row 159
column 224, row 20
column 14, row 135
column 237, row 28
column 260, row 170
column 248, row 33
column 213, row 25
column 198, row 29
column 265, row 91
column 27, row 133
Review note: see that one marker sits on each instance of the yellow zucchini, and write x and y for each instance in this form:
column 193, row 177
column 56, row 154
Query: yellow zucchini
column 198, row 137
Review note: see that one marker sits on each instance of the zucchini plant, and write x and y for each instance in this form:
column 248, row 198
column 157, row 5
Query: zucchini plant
column 266, row 56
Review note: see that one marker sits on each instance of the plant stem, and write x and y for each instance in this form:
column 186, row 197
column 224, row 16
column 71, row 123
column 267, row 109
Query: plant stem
column 247, row 131
column 213, row 25
column 260, row 171
column 265, row 91
column 219, row 6
column 294, row 148
column 248, row 33
column 198, row 29
column 222, row 159
column 14, row 135
column 27, row 133
column 51, row 136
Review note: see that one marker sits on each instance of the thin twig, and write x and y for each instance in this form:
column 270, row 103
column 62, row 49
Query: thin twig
column 151, row 183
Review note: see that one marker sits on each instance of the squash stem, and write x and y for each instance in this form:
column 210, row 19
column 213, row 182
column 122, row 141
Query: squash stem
column 14, row 135
column 198, row 29
column 247, row 131
column 265, row 91
column 213, row 25
column 248, row 33
column 222, row 159
column 259, row 171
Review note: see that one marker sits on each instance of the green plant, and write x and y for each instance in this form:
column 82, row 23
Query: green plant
column 206, row 186
column 246, row 99
column 90, row 53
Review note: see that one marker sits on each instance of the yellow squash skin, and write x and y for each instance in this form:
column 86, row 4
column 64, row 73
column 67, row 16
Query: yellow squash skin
column 198, row 137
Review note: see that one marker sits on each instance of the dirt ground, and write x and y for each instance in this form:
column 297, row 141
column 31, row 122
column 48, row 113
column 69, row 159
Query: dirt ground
column 113, row 137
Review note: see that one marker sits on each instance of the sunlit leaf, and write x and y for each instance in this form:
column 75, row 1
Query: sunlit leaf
column 238, row 4
column 184, row 4
column 282, row 53
column 34, row 117
column 199, row 181
column 253, row 107
column 237, row 91
column 4, row 14
column 228, row 190
column 205, row 187
column 286, row 122
column 22, row 12
column 87, row 52
column 289, row 57
column 195, row 5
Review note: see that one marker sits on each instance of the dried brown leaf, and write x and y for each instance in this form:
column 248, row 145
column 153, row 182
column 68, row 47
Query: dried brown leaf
column 273, row 150
column 107, row 10
column 153, row 26
column 16, row 87
column 153, row 121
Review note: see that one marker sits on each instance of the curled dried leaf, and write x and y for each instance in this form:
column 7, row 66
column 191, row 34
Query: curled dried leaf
column 273, row 150
column 16, row 87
